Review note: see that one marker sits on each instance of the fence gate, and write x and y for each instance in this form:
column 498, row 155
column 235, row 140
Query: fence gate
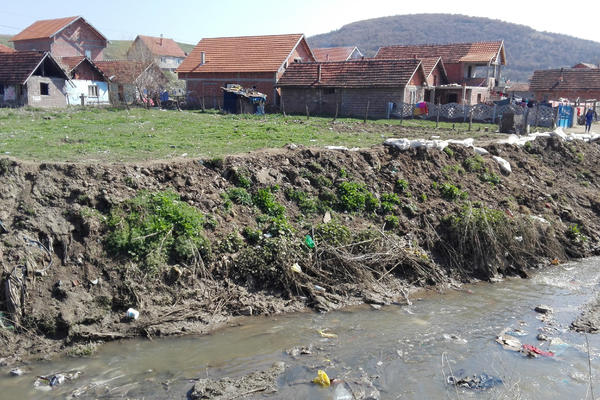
column 565, row 116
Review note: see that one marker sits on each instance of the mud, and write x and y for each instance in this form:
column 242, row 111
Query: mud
column 589, row 319
column 82, row 295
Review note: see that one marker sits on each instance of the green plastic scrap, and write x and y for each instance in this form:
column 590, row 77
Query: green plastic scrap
column 309, row 242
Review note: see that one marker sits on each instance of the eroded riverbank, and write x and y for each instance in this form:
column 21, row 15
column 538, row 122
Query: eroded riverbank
column 380, row 221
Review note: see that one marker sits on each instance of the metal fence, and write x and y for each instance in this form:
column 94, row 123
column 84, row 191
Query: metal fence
column 536, row 115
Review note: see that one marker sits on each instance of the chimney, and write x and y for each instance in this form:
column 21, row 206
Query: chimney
column 319, row 73
column 202, row 58
column 161, row 37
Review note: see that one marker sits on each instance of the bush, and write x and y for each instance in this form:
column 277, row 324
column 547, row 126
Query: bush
column 353, row 196
column 332, row 233
column 239, row 195
column 490, row 177
column 391, row 222
column 265, row 201
column 306, row 203
column 155, row 228
column 401, row 185
column 452, row 192
column 474, row 164
column 389, row 201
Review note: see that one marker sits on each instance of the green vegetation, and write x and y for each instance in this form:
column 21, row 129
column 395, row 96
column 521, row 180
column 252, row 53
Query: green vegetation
column 353, row 196
column 392, row 221
column 450, row 191
column 305, row 202
column 490, row 177
column 106, row 134
column 155, row 228
column 574, row 233
column 239, row 195
column 474, row 164
column 333, row 234
column 389, row 201
column 449, row 151
column 401, row 185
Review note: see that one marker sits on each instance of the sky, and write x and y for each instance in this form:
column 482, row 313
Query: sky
column 189, row 21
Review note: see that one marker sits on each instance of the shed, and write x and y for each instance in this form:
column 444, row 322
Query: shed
column 237, row 100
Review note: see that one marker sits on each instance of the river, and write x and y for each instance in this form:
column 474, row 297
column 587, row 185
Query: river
column 407, row 351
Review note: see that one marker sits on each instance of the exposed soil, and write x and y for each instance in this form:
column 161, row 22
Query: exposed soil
column 83, row 295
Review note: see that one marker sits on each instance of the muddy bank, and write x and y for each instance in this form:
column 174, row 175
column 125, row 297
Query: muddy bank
column 232, row 239
column 589, row 319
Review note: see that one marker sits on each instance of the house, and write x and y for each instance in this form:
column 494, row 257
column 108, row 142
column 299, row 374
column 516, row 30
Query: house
column 473, row 69
column 256, row 62
column 131, row 81
column 566, row 83
column 31, row 78
column 6, row 49
column 62, row 37
column 585, row 65
column 435, row 75
column 165, row 52
column 351, row 88
column 87, row 84
column 337, row 53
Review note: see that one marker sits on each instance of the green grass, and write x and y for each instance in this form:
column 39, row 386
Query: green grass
column 76, row 134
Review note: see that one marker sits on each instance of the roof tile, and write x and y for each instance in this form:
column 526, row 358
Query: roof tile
column 43, row 29
column 241, row 54
column 450, row 53
column 121, row 71
column 16, row 67
column 162, row 46
column 565, row 79
column 333, row 53
column 6, row 49
column 351, row 74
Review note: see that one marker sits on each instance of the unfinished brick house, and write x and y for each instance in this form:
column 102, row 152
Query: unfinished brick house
column 62, row 37
column 566, row 83
column 31, row 78
column 165, row 52
column 348, row 53
column 473, row 69
column 131, row 81
column 249, row 61
column 352, row 88
column 87, row 84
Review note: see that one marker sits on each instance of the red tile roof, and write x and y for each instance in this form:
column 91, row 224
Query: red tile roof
column 351, row 74
column 565, row 79
column 70, row 63
column 122, row 71
column 6, row 49
column 481, row 52
column 17, row 67
column 47, row 28
column 585, row 65
column 430, row 63
column 241, row 54
column 162, row 46
column 333, row 53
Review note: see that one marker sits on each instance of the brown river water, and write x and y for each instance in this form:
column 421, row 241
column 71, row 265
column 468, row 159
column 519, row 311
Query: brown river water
column 407, row 351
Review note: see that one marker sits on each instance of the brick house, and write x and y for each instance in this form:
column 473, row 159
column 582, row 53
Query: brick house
column 347, row 88
column 566, row 83
column 473, row 69
column 435, row 75
column 130, row 81
column 31, row 78
column 165, row 52
column 62, row 37
column 87, row 84
column 6, row 49
column 249, row 61
column 348, row 53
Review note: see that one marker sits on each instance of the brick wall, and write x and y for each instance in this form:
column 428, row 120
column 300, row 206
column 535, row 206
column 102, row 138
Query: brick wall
column 84, row 71
column 56, row 92
column 454, row 72
column 75, row 39
column 350, row 102
column 208, row 86
column 33, row 45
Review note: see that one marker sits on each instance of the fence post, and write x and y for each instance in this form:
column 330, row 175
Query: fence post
column 470, row 118
column 336, row 111
column 367, row 112
column 401, row 112
column 307, row 114
column 282, row 105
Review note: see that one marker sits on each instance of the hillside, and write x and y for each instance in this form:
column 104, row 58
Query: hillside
column 116, row 48
column 526, row 48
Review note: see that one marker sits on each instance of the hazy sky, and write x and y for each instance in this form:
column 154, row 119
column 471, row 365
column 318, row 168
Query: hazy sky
column 190, row 20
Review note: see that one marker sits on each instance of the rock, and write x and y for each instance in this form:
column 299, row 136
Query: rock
column 375, row 306
column 543, row 309
column 541, row 337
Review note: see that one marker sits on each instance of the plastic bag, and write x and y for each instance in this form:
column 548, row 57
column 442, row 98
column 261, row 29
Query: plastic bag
column 322, row 379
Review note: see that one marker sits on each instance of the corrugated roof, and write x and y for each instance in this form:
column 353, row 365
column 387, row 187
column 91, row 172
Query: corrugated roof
column 122, row 71
column 6, row 49
column 333, row 53
column 482, row 52
column 351, row 74
column 47, row 28
column 241, row 54
column 16, row 67
column 565, row 79
column 162, row 46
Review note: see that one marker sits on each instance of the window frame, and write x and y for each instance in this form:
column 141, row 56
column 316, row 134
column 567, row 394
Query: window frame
column 44, row 87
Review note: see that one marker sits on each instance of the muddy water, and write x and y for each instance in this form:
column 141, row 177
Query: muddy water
column 406, row 351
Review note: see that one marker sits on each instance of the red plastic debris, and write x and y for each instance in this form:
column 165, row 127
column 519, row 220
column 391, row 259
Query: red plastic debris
column 534, row 350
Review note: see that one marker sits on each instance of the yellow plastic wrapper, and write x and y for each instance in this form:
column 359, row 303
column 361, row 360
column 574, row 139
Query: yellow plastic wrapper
column 327, row 335
column 322, row 379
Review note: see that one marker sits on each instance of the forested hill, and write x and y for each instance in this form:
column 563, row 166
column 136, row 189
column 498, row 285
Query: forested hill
column 526, row 48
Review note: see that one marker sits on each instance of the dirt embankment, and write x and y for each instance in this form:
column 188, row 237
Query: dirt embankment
column 380, row 221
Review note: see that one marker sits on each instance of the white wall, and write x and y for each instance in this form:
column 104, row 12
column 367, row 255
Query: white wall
column 76, row 87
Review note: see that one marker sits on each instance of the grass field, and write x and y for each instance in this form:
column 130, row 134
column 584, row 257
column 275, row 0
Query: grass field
column 138, row 134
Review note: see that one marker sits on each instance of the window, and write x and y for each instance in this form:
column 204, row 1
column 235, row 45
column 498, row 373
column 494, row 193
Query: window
column 44, row 89
column 88, row 54
column 92, row 91
column 413, row 96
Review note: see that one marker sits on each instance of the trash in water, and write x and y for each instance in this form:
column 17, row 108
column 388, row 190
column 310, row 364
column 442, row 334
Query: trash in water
column 475, row 382
column 532, row 351
column 327, row 335
column 509, row 342
column 57, row 379
column 43, row 382
column 16, row 372
column 555, row 261
column 516, row 332
column 132, row 313
column 296, row 268
column 308, row 240
column 322, row 379
column 543, row 309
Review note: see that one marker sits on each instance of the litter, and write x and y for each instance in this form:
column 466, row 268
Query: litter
column 508, row 342
column 322, row 379
column 475, row 382
column 327, row 335
column 319, row 288
column 132, row 313
column 503, row 164
column 516, row 332
column 310, row 243
column 532, row 351
column 296, row 268
column 16, row 372
column 543, row 309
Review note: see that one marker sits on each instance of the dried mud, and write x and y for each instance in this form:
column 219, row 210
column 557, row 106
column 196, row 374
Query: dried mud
column 82, row 297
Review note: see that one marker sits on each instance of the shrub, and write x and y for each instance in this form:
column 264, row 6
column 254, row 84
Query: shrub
column 239, row 195
column 391, row 222
column 265, row 201
column 332, row 233
column 153, row 228
column 449, row 151
column 451, row 192
column 306, row 203
column 389, row 201
column 253, row 236
column 474, row 164
column 490, row 177
column 353, row 196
